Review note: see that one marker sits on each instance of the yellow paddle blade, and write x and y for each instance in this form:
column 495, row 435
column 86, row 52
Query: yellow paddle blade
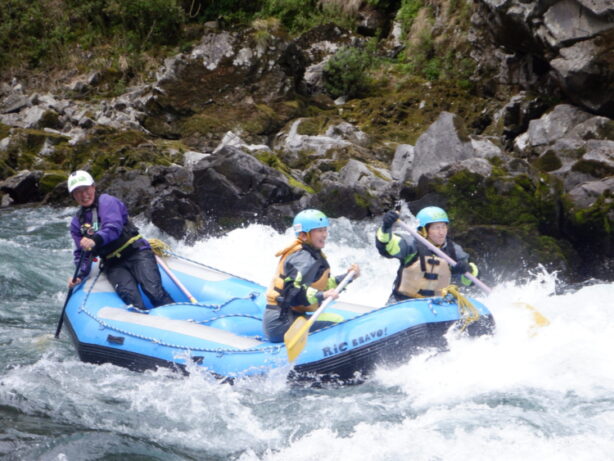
column 540, row 320
column 296, row 337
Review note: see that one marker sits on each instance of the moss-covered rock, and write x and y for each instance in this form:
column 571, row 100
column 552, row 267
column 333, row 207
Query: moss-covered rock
column 593, row 168
column 512, row 251
column 506, row 216
column 272, row 159
column 51, row 179
column 254, row 122
column 314, row 126
column 511, row 200
column 594, row 223
column 549, row 161
column 50, row 119
column 22, row 152
column 4, row 130
column 403, row 110
column 591, row 231
column 103, row 151
column 108, row 149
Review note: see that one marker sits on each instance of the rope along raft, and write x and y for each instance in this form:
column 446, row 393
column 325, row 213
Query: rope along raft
column 450, row 294
column 465, row 309
column 218, row 351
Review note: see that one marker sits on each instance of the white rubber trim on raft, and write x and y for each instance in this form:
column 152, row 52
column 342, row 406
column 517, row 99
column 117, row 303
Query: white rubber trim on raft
column 182, row 327
column 204, row 273
column 351, row 307
column 177, row 265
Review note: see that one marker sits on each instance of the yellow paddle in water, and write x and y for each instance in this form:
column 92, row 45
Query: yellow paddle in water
column 296, row 336
column 539, row 319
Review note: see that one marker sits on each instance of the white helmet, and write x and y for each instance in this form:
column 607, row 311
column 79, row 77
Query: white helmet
column 79, row 178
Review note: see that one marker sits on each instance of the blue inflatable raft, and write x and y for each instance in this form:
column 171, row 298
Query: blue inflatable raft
column 222, row 330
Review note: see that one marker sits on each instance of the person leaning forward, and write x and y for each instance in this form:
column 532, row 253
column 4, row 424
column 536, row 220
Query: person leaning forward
column 102, row 228
column 302, row 280
column 421, row 273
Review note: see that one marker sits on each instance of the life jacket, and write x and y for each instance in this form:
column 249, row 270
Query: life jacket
column 427, row 275
column 116, row 248
column 279, row 285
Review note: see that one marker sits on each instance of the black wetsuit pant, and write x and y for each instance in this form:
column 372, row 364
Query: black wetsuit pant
column 138, row 267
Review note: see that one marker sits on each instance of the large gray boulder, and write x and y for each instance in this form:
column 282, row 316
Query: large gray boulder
column 570, row 144
column 233, row 188
column 566, row 40
column 402, row 162
column 443, row 143
column 555, row 124
column 585, row 69
column 23, row 187
column 226, row 67
column 177, row 214
column 586, row 194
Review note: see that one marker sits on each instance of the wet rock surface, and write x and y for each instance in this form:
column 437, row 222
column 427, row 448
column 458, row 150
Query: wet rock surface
column 239, row 129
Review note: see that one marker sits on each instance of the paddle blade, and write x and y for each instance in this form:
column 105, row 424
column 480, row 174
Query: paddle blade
column 296, row 338
column 539, row 319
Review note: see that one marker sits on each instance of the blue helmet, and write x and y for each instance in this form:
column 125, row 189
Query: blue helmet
column 308, row 220
column 431, row 214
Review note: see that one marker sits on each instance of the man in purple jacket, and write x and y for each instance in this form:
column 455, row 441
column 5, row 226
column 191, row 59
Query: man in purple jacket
column 102, row 228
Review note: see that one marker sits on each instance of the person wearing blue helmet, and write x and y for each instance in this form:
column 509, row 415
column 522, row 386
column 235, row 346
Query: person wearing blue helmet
column 421, row 272
column 302, row 279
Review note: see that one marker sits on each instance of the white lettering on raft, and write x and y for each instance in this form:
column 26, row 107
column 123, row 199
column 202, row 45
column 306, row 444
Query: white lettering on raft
column 354, row 342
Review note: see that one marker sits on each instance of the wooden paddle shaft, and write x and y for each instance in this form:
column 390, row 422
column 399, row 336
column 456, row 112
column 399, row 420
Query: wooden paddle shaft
column 348, row 277
column 540, row 320
column 175, row 279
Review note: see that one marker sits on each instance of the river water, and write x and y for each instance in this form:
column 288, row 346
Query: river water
column 524, row 393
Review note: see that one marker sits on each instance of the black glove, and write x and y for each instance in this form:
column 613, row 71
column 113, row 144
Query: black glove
column 462, row 267
column 389, row 219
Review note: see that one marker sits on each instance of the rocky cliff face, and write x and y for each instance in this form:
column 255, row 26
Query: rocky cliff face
column 567, row 43
column 240, row 129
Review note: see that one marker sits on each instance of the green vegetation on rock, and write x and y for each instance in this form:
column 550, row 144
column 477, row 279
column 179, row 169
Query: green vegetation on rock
column 51, row 179
column 38, row 33
column 513, row 211
column 509, row 201
column 394, row 95
column 4, row 131
column 345, row 73
column 594, row 221
column 272, row 160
